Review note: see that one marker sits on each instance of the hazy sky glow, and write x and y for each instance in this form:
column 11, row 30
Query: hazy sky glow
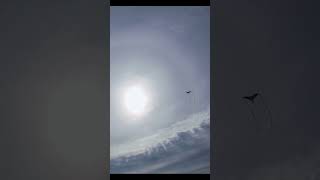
column 158, row 53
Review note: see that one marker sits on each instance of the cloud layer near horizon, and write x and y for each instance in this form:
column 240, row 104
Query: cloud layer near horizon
column 183, row 147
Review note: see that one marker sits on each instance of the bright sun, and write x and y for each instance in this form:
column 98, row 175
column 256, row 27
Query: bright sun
column 136, row 100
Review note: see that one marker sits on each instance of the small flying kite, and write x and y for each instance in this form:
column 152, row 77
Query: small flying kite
column 251, row 98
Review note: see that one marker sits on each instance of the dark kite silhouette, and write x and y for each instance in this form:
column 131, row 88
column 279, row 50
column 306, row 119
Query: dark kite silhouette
column 251, row 98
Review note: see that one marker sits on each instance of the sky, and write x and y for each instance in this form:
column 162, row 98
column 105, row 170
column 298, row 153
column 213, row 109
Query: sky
column 165, row 51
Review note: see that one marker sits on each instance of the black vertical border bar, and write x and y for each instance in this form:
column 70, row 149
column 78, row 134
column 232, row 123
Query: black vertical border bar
column 212, row 60
column 107, row 52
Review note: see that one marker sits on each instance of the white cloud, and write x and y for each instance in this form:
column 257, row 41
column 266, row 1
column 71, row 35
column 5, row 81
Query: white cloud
column 183, row 147
column 162, row 136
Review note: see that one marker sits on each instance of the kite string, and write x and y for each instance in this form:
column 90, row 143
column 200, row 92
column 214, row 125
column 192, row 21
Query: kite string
column 195, row 102
column 194, row 108
column 253, row 117
column 268, row 109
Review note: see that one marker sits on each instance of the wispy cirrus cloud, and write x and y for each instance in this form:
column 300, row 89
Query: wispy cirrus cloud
column 183, row 147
